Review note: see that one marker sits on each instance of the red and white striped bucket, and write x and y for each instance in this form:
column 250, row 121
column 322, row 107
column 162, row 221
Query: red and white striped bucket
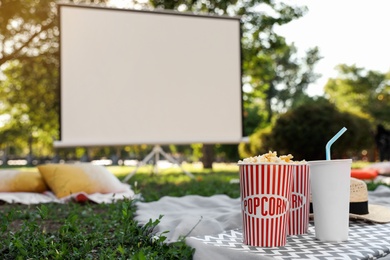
column 265, row 202
column 299, row 204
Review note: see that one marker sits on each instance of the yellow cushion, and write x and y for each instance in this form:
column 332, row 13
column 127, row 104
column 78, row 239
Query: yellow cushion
column 21, row 181
column 67, row 179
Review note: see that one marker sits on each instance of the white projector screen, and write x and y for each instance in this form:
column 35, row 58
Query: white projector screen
column 143, row 77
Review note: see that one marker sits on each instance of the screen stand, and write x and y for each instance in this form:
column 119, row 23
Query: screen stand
column 157, row 150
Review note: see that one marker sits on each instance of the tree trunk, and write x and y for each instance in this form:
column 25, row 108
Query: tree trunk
column 30, row 151
column 85, row 157
column 116, row 156
column 208, row 156
column 5, row 155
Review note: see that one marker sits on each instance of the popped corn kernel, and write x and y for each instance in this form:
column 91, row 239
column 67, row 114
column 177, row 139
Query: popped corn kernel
column 271, row 157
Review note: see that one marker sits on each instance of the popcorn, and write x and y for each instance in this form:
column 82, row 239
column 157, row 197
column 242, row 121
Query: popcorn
column 271, row 157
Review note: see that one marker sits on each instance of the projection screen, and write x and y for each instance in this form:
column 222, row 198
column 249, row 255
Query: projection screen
column 146, row 77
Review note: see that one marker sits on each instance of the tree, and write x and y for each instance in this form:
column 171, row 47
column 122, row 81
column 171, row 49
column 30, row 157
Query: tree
column 26, row 28
column 360, row 91
column 280, row 79
column 29, row 76
column 305, row 130
column 30, row 97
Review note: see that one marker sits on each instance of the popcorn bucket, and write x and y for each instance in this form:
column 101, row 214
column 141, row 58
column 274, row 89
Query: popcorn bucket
column 299, row 205
column 265, row 202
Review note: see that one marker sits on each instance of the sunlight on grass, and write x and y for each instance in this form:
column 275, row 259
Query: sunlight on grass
column 195, row 168
column 122, row 171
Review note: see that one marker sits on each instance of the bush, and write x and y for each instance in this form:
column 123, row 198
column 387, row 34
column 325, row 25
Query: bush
column 305, row 131
column 258, row 143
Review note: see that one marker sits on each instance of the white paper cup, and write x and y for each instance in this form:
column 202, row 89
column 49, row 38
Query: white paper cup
column 300, row 200
column 330, row 185
column 265, row 202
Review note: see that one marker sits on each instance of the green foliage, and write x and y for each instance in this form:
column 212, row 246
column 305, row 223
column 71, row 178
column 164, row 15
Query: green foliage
column 31, row 117
column 362, row 92
column 255, row 118
column 305, row 131
column 258, row 143
column 27, row 28
column 226, row 152
column 29, row 80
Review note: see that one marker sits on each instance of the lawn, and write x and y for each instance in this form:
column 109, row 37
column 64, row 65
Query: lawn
column 108, row 231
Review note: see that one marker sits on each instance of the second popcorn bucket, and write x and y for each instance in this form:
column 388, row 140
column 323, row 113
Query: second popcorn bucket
column 266, row 190
column 300, row 200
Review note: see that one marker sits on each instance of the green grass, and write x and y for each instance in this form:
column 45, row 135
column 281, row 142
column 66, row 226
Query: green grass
column 82, row 231
column 108, row 231
column 173, row 182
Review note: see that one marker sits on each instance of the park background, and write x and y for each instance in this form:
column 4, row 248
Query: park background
column 279, row 114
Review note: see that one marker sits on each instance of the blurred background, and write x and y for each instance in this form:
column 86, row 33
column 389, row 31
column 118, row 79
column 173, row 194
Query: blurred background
column 279, row 113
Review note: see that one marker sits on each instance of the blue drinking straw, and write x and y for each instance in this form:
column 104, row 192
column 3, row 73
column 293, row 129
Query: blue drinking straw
column 331, row 141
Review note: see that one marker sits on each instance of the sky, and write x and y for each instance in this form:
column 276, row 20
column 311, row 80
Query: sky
column 352, row 32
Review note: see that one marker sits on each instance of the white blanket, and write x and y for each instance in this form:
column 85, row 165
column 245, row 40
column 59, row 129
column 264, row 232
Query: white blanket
column 193, row 215
column 28, row 198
